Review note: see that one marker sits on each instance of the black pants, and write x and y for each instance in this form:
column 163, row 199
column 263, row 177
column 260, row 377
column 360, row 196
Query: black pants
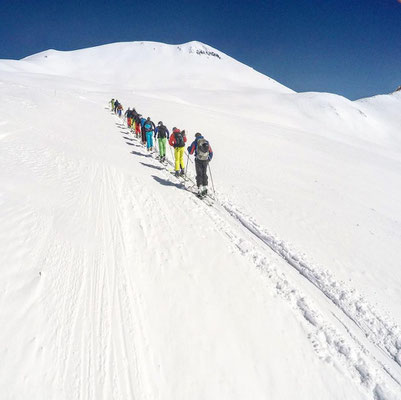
column 201, row 172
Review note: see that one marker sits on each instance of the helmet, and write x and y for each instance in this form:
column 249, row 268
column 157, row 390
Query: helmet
column 160, row 123
column 197, row 134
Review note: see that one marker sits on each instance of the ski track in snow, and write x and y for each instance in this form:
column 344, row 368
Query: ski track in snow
column 372, row 356
column 90, row 300
column 379, row 330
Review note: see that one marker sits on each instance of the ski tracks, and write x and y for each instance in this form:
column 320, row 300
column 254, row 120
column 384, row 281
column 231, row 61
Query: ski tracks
column 91, row 300
column 335, row 343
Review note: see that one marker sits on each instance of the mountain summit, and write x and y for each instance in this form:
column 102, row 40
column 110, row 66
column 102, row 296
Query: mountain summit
column 147, row 65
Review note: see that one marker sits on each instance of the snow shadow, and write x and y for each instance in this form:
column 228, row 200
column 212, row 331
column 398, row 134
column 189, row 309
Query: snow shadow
column 165, row 182
column 152, row 166
column 139, row 154
column 133, row 144
column 126, row 137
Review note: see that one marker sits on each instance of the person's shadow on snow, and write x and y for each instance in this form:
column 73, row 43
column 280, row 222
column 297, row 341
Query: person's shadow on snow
column 165, row 182
column 139, row 154
column 152, row 166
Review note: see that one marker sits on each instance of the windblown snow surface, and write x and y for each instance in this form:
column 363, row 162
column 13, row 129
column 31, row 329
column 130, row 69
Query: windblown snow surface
column 116, row 283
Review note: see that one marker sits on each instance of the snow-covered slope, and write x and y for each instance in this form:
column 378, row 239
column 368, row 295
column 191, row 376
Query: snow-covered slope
column 116, row 283
column 133, row 64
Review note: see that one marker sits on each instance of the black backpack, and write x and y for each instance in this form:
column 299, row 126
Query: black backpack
column 162, row 131
column 179, row 139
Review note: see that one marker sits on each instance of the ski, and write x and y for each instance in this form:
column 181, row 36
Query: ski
column 205, row 198
column 182, row 177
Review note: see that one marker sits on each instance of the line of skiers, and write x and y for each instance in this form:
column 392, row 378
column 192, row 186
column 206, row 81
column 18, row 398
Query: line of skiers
column 145, row 129
column 117, row 107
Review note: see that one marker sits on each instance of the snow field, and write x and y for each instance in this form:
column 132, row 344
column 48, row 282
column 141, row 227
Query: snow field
column 116, row 283
column 334, row 344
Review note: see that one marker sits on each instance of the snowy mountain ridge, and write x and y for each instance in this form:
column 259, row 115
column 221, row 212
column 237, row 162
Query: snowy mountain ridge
column 120, row 284
column 192, row 64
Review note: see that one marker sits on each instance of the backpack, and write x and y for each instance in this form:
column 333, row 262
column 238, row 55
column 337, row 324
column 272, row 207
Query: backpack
column 202, row 150
column 179, row 139
column 148, row 126
column 162, row 131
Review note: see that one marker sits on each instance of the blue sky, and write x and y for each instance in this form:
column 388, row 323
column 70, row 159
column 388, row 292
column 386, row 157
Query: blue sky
column 348, row 47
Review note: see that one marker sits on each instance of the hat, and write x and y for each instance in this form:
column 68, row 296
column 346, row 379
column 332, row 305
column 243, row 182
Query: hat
column 197, row 134
column 160, row 123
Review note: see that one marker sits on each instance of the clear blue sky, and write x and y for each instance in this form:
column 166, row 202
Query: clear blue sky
column 349, row 47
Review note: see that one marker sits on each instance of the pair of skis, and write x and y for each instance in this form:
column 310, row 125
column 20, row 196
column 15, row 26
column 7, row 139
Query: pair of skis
column 206, row 198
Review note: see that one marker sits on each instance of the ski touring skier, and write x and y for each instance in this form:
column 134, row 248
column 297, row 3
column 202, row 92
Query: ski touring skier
column 203, row 152
column 128, row 115
column 119, row 109
column 133, row 115
column 162, row 134
column 178, row 140
column 137, row 129
column 112, row 104
column 142, row 121
column 149, row 128
column 116, row 103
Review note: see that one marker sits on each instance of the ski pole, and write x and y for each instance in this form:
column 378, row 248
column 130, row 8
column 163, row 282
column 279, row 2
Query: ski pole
column 190, row 159
column 211, row 178
column 186, row 166
column 156, row 147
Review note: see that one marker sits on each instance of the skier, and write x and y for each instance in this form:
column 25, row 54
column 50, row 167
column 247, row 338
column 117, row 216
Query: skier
column 149, row 128
column 177, row 140
column 119, row 109
column 112, row 104
column 133, row 118
column 116, row 103
column 162, row 133
column 137, row 125
column 142, row 121
column 128, row 115
column 203, row 154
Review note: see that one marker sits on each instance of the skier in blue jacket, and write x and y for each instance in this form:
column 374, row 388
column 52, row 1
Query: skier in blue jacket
column 143, row 120
column 149, row 128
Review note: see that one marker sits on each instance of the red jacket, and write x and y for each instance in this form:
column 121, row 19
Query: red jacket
column 172, row 140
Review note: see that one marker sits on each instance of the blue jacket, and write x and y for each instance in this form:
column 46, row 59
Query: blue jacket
column 149, row 126
column 143, row 120
column 194, row 146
